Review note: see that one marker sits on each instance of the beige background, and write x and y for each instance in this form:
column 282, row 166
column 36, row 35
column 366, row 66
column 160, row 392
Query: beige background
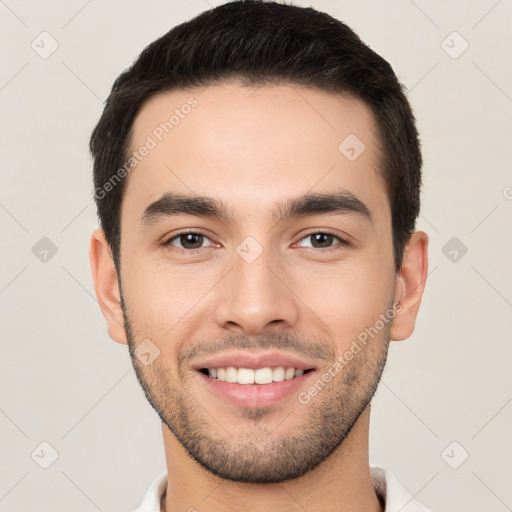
column 64, row 382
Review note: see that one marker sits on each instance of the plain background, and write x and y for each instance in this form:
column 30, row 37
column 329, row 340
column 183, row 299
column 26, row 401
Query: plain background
column 446, row 392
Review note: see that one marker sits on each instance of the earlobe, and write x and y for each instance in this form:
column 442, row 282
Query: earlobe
column 104, row 275
column 410, row 284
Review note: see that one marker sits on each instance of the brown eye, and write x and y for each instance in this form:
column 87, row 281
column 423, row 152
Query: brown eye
column 323, row 240
column 187, row 241
column 191, row 240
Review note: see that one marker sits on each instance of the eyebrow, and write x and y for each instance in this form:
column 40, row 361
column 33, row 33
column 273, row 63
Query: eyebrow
column 340, row 202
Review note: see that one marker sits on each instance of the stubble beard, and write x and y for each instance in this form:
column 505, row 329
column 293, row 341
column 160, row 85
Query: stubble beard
column 260, row 455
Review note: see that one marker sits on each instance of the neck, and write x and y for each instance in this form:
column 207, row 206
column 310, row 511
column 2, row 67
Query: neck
column 342, row 483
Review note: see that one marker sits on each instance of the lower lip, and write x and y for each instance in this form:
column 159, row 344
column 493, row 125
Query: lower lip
column 255, row 395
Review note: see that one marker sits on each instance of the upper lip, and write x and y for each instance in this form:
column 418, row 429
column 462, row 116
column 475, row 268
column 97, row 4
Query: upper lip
column 246, row 359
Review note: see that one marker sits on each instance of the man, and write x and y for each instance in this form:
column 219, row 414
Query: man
column 257, row 175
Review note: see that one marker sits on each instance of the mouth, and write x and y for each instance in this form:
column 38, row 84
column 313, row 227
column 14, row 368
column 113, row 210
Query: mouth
column 248, row 376
column 247, row 379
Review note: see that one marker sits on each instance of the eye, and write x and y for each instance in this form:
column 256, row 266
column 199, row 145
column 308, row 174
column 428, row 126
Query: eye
column 188, row 241
column 323, row 240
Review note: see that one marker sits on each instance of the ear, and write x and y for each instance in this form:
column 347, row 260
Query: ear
column 410, row 283
column 104, row 275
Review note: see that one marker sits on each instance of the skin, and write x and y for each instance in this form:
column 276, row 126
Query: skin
column 251, row 148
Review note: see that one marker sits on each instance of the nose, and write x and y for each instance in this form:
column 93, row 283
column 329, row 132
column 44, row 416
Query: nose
column 256, row 297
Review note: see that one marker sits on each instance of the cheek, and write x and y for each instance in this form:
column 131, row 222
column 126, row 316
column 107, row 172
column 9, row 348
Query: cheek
column 162, row 300
column 347, row 298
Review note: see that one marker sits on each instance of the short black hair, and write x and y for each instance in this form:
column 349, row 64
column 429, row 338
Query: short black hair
column 259, row 42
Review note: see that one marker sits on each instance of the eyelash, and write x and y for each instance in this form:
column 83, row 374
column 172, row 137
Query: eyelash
column 342, row 242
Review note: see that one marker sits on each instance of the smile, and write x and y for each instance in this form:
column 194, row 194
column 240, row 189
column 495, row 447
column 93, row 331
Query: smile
column 246, row 376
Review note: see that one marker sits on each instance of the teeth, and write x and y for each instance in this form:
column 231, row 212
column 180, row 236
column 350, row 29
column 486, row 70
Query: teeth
column 263, row 375
column 245, row 376
column 278, row 374
column 231, row 374
column 249, row 376
column 289, row 373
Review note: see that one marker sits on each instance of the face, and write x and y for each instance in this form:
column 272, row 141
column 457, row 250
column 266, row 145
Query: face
column 250, row 239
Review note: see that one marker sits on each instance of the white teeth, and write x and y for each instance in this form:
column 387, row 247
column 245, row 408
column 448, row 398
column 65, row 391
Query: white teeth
column 249, row 376
column 245, row 376
column 278, row 374
column 289, row 373
column 263, row 376
column 231, row 374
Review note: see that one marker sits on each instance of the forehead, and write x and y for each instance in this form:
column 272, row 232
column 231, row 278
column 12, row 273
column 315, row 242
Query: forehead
column 253, row 146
